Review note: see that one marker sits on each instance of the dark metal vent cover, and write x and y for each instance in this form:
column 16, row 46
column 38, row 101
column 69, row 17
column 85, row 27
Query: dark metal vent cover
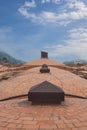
column 46, row 92
column 44, row 69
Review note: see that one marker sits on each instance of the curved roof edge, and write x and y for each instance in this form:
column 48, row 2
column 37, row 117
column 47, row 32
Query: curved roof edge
column 44, row 61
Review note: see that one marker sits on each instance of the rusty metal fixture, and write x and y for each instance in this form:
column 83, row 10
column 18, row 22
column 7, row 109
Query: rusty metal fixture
column 44, row 69
column 46, row 92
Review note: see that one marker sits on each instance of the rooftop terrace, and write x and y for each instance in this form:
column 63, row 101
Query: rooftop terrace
column 20, row 114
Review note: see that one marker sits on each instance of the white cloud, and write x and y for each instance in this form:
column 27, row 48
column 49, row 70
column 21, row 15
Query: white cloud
column 30, row 4
column 44, row 1
column 24, row 9
column 52, row 1
column 73, row 10
column 75, row 45
column 26, row 14
column 56, row 1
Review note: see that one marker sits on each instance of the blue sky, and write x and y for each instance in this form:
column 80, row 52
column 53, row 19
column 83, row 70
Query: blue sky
column 56, row 26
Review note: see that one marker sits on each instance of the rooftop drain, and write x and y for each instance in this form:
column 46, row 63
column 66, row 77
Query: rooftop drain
column 46, row 92
column 44, row 69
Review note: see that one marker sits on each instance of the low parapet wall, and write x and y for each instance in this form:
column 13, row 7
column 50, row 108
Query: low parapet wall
column 33, row 66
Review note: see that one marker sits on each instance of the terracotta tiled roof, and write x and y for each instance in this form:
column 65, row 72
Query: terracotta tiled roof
column 3, row 68
column 19, row 114
column 21, row 84
column 44, row 61
column 84, row 67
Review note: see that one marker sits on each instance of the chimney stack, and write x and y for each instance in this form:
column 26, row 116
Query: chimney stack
column 44, row 54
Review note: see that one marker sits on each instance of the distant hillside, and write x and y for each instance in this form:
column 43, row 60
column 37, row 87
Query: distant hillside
column 76, row 62
column 7, row 59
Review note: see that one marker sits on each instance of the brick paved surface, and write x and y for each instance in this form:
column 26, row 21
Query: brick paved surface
column 21, row 84
column 46, row 61
column 20, row 114
column 3, row 68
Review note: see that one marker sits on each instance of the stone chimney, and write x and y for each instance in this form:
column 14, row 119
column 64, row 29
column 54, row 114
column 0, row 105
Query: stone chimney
column 44, row 54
